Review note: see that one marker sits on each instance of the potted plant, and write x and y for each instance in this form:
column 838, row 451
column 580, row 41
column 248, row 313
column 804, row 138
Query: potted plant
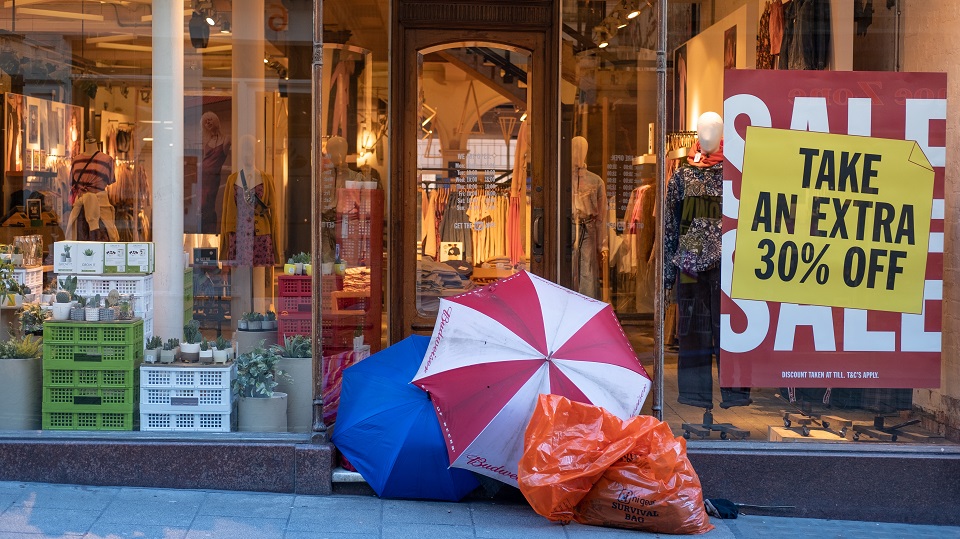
column 17, row 257
column 256, row 322
column 260, row 408
column 190, row 347
column 107, row 311
column 244, row 323
column 124, row 312
column 92, row 309
column 22, row 373
column 206, row 353
column 69, row 285
column 296, row 361
column 78, row 309
column 62, row 306
column 270, row 321
column 31, row 317
column 220, row 350
column 48, row 296
column 169, row 352
column 152, row 353
column 300, row 261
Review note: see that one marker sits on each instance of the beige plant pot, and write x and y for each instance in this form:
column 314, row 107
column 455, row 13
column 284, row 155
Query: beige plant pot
column 299, row 390
column 266, row 414
column 22, row 394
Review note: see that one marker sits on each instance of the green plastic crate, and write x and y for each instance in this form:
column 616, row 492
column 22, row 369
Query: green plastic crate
column 72, row 378
column 64, row 332
column 92, row 356
column 87, row 421
column 89, row 399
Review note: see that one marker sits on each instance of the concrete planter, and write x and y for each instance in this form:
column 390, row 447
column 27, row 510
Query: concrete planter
column 22, row 394
column 299, row 390
column 264, row 414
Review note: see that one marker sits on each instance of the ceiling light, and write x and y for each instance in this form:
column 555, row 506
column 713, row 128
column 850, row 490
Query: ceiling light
column 601, row 36
column 225, row 27
column 210, row 20
column 523, row 117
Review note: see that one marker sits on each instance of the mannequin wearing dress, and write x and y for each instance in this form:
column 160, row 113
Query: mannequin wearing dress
column 589, row 202
column 249, row 222
column 92, row 217
column 336, row 174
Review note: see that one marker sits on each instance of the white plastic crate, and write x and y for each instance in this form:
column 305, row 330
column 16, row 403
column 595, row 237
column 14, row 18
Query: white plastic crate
column 138, row 286
column 193, row 377
column 32, row 277
column 185, row 400
column 186, row 421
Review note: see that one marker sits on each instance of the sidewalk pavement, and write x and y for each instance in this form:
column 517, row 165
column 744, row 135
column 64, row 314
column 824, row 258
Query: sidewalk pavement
column 36, row 510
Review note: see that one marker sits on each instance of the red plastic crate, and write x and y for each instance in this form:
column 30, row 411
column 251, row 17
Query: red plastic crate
column 288, row 305
column 288, row 326
column 295, row 285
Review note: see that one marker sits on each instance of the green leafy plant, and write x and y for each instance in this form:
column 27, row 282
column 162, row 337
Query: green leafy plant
column 295, row 346
column 155, row 342
column 171, row 344
column 124, row 310
column 271, row 316
column 257, row 373
column 204, row 345
column 69, row 284
column 26, row 347
column 81, row 301
column 63, row 297
column 32, row 316
column 191, row 332
column 257, row 317
column 300, row 258
column 221, row 343
column 249, row 316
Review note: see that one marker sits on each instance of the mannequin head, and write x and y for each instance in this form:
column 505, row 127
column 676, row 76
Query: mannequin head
column 578, row 151
column 247, row 151
column 210, row 123
column 337, row 148
column 709, row 132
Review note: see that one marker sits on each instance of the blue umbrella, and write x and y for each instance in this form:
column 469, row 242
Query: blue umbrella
column 388, row 430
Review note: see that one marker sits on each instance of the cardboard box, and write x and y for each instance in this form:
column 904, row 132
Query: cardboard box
column 66, row 256
column 114, row 257
column 140, row 257
column 89, row 256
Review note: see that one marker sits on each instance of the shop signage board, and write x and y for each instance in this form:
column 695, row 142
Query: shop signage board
column 832, row 270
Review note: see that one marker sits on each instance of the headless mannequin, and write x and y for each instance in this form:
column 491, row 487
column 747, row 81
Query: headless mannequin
column 216, row 148
column 335, row 176
column 699, row 185
column 589, row 202
column 92, row 218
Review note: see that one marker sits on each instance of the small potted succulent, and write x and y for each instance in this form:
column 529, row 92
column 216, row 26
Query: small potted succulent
column 256, row 322
column 206, row 352
column 152, row 353
column 92, row 309
column 78, row 309
column 300, row 261
column 270, row 321
column 124, row 312
column 169, row 352
column 244, row 323
column 190, row 347
column 220, row 347
column 107, row 311
column 62, row 306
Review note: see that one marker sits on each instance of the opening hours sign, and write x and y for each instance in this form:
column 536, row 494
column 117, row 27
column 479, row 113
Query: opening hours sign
column 833, row 226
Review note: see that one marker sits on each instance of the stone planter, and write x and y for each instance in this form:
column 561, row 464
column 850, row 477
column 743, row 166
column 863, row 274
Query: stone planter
column 299, row 390
column 151, row 356
column 265, row 414
column 168, row 356
column 219, row 356
column 22, row 394
column 189, row 353
column 61, row 311
column 91, row 314
column 206, row 357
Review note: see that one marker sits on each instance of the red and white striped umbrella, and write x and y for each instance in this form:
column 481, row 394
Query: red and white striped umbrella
column 494, row 350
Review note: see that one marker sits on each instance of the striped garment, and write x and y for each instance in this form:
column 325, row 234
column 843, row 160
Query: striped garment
column 90, row 174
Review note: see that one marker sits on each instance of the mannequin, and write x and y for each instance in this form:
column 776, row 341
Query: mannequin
column 249, row 220
column 692, row 251
column 335, row 176
column 589, row 201
column 92, row 216
column 216, row 148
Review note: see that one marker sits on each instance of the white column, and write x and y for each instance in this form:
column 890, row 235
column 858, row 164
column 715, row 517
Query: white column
column 248, row 88
column 167, row 171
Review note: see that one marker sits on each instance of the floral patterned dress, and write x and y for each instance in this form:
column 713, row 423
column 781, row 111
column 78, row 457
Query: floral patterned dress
column 246, row 248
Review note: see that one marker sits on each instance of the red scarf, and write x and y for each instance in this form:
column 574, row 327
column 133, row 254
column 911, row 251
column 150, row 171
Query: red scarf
column 706, row 160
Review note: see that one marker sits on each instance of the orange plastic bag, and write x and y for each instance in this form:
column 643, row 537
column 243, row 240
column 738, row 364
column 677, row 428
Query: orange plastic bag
column 583, row 463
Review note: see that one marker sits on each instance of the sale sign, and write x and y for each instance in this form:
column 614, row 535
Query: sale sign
column 830, row 220
column 832, row 267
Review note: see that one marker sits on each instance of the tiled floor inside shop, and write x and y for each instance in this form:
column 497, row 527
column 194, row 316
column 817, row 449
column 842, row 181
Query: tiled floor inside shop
column 764, row 419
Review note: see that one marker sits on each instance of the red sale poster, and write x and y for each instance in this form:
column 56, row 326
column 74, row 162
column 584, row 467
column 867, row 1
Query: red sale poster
column 820, row 342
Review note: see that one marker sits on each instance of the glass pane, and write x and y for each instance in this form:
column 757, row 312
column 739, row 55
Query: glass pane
column 610, row 196
column 822, row 370
column 472, row 170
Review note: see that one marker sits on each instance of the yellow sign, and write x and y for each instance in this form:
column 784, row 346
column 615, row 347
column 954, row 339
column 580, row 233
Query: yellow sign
column 833, row 220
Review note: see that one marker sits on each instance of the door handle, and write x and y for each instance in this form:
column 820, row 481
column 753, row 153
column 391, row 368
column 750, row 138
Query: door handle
column 537, row 231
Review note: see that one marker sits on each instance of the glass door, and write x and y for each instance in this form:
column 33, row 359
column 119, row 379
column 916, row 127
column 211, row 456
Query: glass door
column 473, row 179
